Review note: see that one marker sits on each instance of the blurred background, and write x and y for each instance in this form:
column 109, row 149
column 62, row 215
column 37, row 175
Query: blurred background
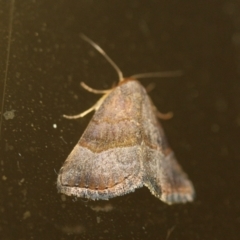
column 43, row 60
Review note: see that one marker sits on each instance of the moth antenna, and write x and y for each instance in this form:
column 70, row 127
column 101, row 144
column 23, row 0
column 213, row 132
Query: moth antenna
column 103, row 53
column 158, row 74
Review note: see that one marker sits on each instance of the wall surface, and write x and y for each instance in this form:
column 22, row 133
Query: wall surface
column 43, row 60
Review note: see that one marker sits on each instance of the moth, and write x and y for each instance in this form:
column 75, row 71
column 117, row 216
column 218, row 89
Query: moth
column 124, row 147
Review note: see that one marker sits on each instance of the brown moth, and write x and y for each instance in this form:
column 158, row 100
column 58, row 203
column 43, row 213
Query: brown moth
column 124, row 147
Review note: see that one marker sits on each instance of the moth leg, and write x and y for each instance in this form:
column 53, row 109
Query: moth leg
column 164, row 116
column 81, row 114
column 150, row 87
column 92, row 90
column 160, row 115
column 93, row 108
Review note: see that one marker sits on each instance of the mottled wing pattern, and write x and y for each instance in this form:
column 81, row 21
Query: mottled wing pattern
column 123, row 148
column 106, row 162
column 163, row 175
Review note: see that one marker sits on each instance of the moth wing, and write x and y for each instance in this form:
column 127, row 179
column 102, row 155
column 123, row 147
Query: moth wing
column 106, row 162
column 163, row 175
